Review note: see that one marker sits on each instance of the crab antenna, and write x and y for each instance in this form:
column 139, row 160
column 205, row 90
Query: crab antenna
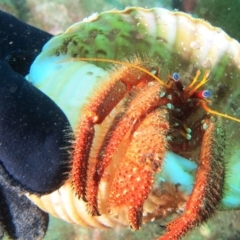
column 204, row 105
column 193, row 81
column 203, row 81
column 127, row 64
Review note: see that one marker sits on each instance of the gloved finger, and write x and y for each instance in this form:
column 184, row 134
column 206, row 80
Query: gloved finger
column 34, row 135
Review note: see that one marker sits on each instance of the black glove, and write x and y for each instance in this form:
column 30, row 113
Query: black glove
column 34, row 134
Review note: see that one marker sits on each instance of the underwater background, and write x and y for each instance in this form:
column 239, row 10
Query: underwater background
column 55, row 17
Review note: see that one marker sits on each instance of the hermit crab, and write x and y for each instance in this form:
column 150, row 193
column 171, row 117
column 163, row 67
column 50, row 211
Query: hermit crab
column 134, row 85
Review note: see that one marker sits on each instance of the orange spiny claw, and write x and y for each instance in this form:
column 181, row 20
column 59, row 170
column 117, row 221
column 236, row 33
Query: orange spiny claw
column 134, row 177
column 100, row 105
column 207, row 191
column 138, row 107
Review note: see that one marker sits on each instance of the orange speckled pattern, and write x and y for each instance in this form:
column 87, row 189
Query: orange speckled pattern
column 134, row 177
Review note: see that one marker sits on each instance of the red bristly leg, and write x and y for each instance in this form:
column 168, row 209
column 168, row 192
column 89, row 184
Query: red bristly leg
column 93, row 113
column 134, row 177
column 104, row 99
column 147, row 98
column 207, row 191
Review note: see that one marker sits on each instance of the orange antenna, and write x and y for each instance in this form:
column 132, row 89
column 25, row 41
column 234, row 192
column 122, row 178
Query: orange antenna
column 189, row 91
column 193, row 81
column 207, row 109
column 127, row 64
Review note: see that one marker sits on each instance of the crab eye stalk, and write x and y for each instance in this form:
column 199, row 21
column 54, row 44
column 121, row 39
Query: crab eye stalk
column 177, row 80
column 202, row 94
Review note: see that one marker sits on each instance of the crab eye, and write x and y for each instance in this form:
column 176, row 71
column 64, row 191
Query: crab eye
column 206, row 94
column 176, row 76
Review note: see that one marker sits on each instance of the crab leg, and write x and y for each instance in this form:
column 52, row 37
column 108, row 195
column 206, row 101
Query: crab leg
column 100, row 105
column 93, row 113
column 207, row 191
column 134, row 177
column 140, row 106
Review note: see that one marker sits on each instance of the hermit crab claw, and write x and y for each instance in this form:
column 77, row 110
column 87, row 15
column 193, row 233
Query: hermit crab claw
column 86, row 176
